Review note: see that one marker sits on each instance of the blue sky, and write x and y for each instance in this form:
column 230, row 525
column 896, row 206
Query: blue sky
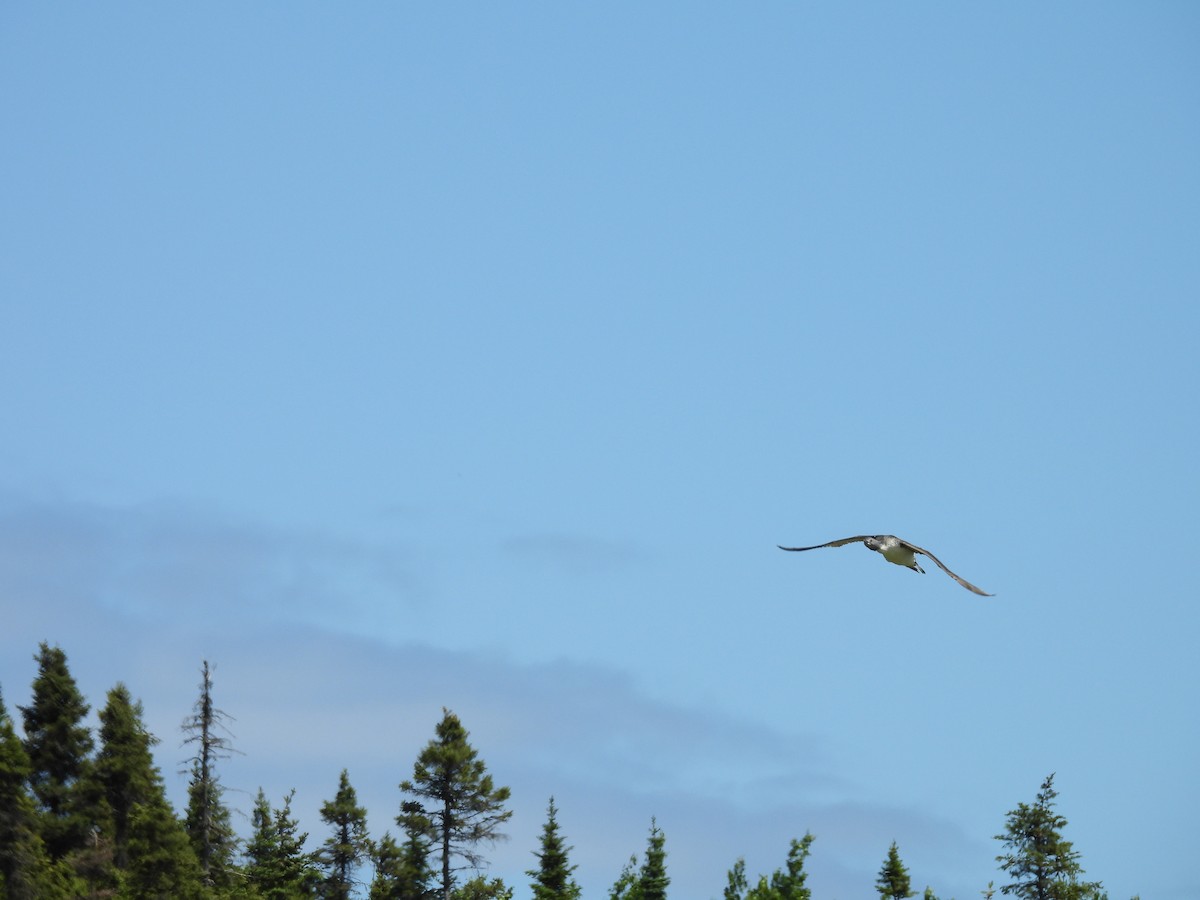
column 394, row 357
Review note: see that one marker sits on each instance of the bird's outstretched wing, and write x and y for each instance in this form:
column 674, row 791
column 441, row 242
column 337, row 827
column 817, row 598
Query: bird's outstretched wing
column 941, row 565
column 841, row 543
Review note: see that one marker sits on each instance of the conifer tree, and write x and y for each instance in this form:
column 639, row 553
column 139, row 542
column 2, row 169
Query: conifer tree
column 59, row 746
column 25, row 870
column 1042, row 863
column 784, row 884
column 789, row 883
column 893, row 882
column 388, row 859
column 278, row 867
column 653, row 879
column 150, row 847
column 208, row 820
column 650, row 880
column 124, row 766
column 481, row 888
column 402, row 871
column 345, row 850
column 160, row 860
column 455, row 793
column 552, row 878
column 736, row 883
column 628, row 885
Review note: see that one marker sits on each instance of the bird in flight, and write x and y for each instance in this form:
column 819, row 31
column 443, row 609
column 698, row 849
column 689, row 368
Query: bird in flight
column 897, row 551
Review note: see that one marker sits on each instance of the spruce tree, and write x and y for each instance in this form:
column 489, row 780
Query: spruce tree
column 893, row 882
column 628, row 885
column 124, row 766
column 481, row 888
column 345, row 850
column 653, row 879
column 208, row 820
column 736, row 883
column 784, row 884
column 552, row 878
column 789, row 883
column 1042, row 863
column 150, row 847
column 278, row 867
column 59, row 746
column 455, row 793
column 25, row 869
column 402, row 871
column 161, row 863
column 648, row 881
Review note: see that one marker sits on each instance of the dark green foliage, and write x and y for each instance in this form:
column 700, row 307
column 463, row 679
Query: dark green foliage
column 627, row 886
column 161, row 863
column 650, row 880
column 348, row 846
column 552, row 878
column 893, row 882
column 480, row 888
column 784, row 884
column 735, row 888
column 653, row 880
column 151, row 850
column 788, row 884
column 125, row 766
column 1043, row 865
column 389, row 864
column 74, row 825
column 456, row 795
column 58, row 746
column 25, row 872
column 278, row 868
column 402, row 871
column 207, row 821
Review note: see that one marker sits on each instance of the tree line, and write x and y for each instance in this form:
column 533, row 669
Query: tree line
column 86, row 816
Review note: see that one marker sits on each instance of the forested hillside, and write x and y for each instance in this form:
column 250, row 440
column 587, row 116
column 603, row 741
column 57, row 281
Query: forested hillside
column 85, row 814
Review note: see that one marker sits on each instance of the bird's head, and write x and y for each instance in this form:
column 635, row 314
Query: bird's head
column 872, row 543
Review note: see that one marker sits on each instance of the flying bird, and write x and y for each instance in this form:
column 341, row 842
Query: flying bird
column 897, row 551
